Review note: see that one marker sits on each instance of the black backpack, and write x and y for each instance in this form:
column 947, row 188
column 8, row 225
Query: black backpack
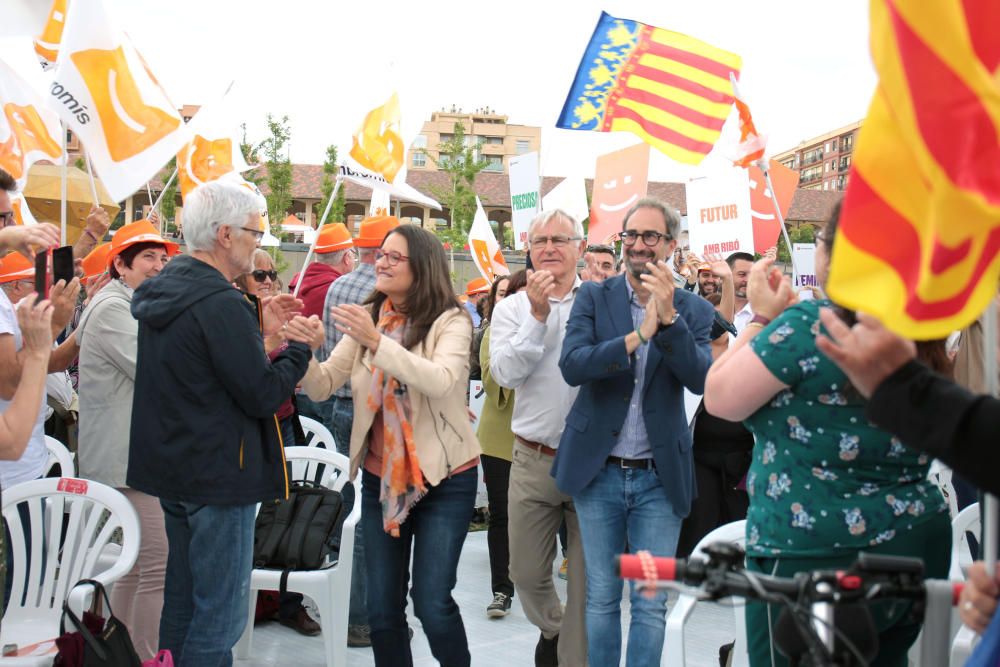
column 298, row 533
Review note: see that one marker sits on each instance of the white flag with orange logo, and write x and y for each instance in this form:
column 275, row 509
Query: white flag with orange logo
column 22, row 17
column 22, row 214
column 29, row 131
column 47, row 41
column 213, row 152
column 377, row 158
column 484, row 247
column 105, row 93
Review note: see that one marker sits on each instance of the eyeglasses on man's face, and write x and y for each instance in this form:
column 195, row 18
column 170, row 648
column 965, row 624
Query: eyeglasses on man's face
column 260, row 275
column 557, row 240
column 392, row 258
column 650, row 238
column 257, row 234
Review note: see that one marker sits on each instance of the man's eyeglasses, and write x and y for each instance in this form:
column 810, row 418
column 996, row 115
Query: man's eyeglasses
column 257, row 234
column 650, row 238
column 260, row 275
column 392, row 258
column 7, row 218
column 558, row 240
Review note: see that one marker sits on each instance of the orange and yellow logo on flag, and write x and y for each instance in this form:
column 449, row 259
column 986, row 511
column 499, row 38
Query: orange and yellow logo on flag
column 29, row 132
column 47, row 43
column 107, row 95
column 378, row 143
column 485, row 249
column 212, row 153
column 919, row 238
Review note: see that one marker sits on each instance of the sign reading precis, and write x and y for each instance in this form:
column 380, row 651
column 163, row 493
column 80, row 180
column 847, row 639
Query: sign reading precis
column 524, row 196
column 718, row 213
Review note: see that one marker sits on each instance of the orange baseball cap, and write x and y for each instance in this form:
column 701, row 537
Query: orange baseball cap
column 476, row 286
column 96, row 262
column 374, row 229
column 16, row 266
column 333, row 237
column 141, row 231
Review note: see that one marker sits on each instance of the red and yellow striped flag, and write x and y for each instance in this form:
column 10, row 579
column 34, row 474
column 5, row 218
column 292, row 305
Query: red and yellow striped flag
column 670, row 90
column 919, row 238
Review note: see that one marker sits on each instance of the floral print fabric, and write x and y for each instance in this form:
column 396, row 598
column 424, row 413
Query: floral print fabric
column 823, row 480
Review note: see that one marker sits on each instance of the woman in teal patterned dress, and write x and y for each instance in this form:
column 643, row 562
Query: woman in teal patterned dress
column 824, row 483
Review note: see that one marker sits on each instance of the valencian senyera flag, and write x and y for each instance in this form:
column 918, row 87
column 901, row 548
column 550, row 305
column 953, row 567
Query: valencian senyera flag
column 670, row 90
column 919, row 234
column 105, row 92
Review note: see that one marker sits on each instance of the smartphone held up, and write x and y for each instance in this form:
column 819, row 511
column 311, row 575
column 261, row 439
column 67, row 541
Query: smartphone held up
column 51, row 266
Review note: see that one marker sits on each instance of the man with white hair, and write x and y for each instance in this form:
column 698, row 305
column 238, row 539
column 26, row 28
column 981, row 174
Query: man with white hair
column 527, row 332
column 204, row 438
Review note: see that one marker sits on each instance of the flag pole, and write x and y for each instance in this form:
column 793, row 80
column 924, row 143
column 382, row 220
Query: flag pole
column 991, row 505
column 157, row 202
column 764, row 167
column 322, row 221
column 93, row 185
column 62, row 187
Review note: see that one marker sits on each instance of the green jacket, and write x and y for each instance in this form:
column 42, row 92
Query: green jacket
column 495, row 436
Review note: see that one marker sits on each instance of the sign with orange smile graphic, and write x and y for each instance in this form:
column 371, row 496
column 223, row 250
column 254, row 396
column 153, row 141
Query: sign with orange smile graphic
column 107, row 95
column 619, row 182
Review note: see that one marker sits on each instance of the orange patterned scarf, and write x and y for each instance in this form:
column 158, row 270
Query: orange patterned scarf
column 402, row 483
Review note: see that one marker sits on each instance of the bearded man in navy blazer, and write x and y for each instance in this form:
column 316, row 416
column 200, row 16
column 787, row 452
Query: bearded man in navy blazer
column 632, row 344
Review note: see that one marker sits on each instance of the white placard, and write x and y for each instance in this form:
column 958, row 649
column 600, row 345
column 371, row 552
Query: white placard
column 524, row 195
column 571, row 196
column 804, row 255
column 477, row 397
column 718, row 213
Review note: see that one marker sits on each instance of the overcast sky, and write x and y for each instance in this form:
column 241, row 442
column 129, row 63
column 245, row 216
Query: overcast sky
column 806, row 68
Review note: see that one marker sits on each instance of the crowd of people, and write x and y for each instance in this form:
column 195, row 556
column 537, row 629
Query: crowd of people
column 817, row 425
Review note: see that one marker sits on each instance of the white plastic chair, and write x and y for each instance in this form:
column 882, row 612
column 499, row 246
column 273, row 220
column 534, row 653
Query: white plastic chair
column 59, row 454
column 62, row 552
column 317, row 435
column 329, row 587
column 965, row 523
column 674, row 650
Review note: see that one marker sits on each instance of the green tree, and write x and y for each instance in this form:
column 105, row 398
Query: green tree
column 249, row 152
column 329, row 176
column 168, row 202
column 800, row 234
column 274, row 149
column 461, row 161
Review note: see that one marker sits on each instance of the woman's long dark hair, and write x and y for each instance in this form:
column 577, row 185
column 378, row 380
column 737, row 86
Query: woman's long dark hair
column 431, row 293
column 491, row 300
column 931, row 353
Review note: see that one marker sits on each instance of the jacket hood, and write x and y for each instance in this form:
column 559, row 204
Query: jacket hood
column 113, row 290
column 315, row 275
column 184, row 282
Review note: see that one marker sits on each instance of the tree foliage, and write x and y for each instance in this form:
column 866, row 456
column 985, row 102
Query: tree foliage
column 274, row 150
column 462, row 162
column 168, row 200
column 800, row 234
column 329, row 176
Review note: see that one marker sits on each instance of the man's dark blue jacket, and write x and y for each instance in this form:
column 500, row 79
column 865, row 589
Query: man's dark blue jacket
column 203, row 424
column 593, row 358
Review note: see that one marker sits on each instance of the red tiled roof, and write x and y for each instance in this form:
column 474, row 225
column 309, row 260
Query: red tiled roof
column 494, row 190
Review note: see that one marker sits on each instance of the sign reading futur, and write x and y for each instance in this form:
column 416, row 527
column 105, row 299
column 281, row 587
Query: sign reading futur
column 524, row 198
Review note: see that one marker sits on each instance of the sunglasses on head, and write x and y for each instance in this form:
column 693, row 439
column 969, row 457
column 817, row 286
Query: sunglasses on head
column 260, row 274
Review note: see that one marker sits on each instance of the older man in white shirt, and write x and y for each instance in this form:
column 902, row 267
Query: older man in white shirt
column 527, row 332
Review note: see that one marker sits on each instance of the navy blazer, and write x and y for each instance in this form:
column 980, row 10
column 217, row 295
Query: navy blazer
column 593, row 358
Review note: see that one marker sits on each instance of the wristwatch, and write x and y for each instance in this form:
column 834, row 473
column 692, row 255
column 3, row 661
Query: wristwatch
column 672, row 319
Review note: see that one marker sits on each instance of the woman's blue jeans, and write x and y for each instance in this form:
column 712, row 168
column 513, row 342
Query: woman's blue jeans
column 434, row 532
